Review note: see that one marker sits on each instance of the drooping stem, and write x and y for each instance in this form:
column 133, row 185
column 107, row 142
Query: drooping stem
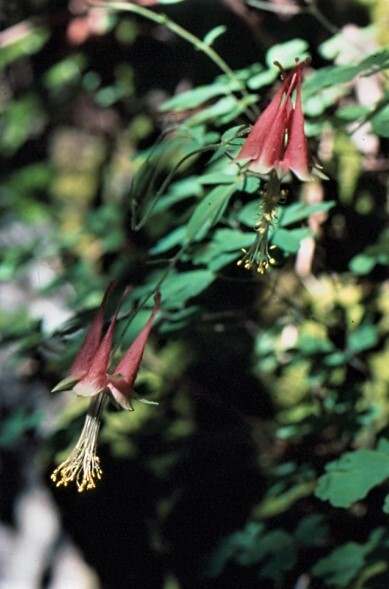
column 165, row 21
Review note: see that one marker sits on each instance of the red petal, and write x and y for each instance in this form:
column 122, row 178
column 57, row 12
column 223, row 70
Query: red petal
column 129, row 365
column 120, row 392
column 296, row 157
column 95, row 380
column 92, row 340
column 273, row 145
column 252, row 147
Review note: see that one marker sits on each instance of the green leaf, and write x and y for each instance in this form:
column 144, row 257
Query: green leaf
column 277, row 549
column 172, row 239
column 20, row 119
column 249, row 214
column 217, row 178
column 290, row 240
column 342, row 565
column 341, row 74
column 225, row 247
column 65, row 71
column 222, row 111
column 180, row 318
column 377, row 253
column 242, row 540
column 310, row 345
column 213, row 34
column 318, row 102
column 363, row 338
column 28, row 42
column 209, row 211
column 350, row 478
column 351, row 112
column 179, row 287
column 179, row 191
column 362, row 264
column 274, row 550
column 232, row 133
column 286, row 53
column 380, row 121
column 312, row 530
column 263, row 78
column 299, row 211
column 197, row 96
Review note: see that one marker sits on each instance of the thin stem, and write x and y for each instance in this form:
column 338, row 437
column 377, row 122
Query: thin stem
column 292, row 10
column 164, row 20
column 278, row 8
column 136, row 226
column 314, row 10
column 96, row 405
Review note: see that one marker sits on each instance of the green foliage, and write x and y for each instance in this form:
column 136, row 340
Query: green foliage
column 350, row 478
column 274, row 550
column 13, row 429
column 374, row 254
column 340, row 567
column 268, row 454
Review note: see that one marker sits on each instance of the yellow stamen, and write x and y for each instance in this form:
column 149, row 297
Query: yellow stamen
column 83, row 465
column 259, row 252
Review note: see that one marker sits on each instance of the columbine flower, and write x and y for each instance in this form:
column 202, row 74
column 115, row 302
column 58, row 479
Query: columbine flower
column 276, row 145
column 277, row 141
column 89, row 376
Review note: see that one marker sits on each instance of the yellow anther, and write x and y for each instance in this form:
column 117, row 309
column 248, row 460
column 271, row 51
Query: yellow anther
column 82, row 465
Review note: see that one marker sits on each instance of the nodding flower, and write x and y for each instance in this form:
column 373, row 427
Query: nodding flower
column 277, row 141
column 90, row 376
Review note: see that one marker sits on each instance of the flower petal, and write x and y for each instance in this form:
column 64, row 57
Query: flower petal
column 129, row 365
column 91, row 341
column 253, row 145
column 296, row 157
column 95, row 380
column 120, row 392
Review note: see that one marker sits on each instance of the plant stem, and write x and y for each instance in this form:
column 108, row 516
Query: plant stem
column 164, row 20
column 292, row 10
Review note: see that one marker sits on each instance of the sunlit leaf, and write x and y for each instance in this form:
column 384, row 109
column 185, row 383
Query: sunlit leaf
column 363, row 338
column 377, row 253
column 286, row 53
column 380, row 121
column 353, row 475
column 212, row 35
column 209, row 211
column 299, row 211
column 290, row 240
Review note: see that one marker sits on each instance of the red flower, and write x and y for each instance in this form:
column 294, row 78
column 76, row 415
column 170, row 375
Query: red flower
column 277, row 140
column 89, row 376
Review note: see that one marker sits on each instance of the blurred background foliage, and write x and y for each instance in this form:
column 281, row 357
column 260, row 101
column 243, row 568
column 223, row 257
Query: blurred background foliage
column 266, row 462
